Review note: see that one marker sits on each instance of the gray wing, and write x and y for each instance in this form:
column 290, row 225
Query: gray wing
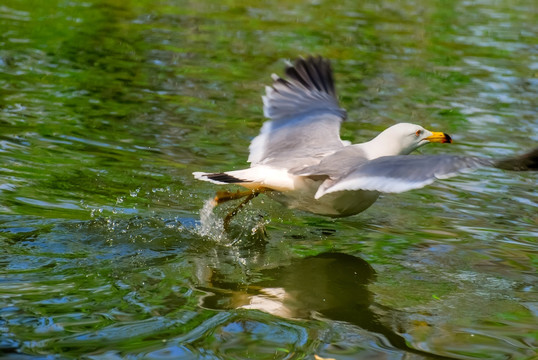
column 334, row 166
column 304, row 117
column 395, row 174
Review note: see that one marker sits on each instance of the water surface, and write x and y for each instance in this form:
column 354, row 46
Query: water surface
column 107, row 107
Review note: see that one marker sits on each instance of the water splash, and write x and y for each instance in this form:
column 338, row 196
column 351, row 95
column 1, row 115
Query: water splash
column 249, row 229
column 210, row 224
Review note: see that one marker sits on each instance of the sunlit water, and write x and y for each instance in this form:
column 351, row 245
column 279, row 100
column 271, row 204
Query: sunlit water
column 111, row 249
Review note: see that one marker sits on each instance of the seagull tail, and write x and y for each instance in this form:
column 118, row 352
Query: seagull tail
column 252, row 178
column 220, row 178
column 525, row 162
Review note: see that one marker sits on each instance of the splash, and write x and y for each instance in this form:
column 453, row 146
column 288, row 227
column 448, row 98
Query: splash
column 210, row 224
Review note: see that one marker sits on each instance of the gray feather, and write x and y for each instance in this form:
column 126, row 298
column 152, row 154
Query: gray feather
column 394, row 174
column 305, row 117
column 335, row 165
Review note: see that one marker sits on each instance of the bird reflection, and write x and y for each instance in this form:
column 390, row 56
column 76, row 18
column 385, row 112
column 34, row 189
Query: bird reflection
column 332, row 285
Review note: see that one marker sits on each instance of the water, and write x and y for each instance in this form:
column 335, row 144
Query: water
column 109, row 249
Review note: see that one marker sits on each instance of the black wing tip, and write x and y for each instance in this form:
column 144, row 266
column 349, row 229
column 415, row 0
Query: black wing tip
column 225, row 178
column 525, row 162
column 312, row 72
column 312, row 59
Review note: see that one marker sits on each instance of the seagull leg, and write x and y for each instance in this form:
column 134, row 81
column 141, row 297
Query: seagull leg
column 226, row 196
column 223, row 196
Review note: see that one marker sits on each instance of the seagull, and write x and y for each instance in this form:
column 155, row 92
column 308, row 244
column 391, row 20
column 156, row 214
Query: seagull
column 299, row 160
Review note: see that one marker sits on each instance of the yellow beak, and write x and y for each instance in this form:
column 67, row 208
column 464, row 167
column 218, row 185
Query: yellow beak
column 439, row 137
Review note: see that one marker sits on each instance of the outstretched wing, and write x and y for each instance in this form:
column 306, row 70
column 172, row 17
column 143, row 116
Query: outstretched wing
column 304, row 117
column 395, row 174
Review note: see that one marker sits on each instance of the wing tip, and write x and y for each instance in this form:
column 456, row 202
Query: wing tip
column 525, row 162
column 313, row 72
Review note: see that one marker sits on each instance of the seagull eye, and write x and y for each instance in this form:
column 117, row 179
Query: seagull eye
column 418, row 133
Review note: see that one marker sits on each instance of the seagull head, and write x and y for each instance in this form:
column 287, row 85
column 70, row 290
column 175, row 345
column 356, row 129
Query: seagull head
column 403, row 138
column 411, row 136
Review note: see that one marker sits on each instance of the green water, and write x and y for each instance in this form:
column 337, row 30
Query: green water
column 107, row 107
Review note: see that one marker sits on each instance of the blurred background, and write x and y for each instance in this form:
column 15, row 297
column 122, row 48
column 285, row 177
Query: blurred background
column 110, row 251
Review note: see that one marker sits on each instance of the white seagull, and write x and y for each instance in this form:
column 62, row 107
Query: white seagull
column 299, row 160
